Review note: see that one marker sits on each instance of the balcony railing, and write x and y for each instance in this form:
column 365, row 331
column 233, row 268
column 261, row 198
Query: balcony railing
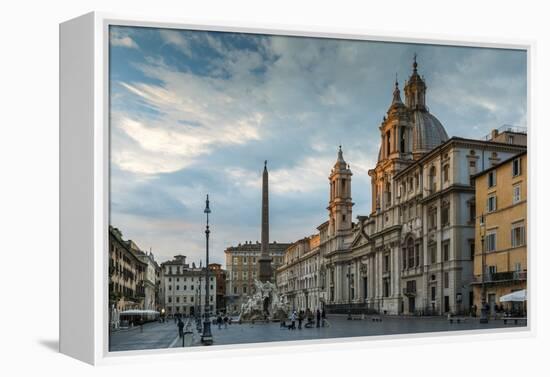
column 409, row 291
column 502, row 277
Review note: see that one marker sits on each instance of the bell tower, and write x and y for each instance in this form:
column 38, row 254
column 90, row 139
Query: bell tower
column 415, row 90
column 340, row 213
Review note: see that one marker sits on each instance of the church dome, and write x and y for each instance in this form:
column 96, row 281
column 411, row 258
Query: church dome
column 428, row 132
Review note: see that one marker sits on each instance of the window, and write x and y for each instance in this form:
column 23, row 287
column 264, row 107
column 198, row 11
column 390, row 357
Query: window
column 432, row 218
column 446, row 280
column 177, row 287
column 445, row 214
column 244, row 289
column 433, row 253
column 177, row 299
column 518, row 234
column 235, row 290
column 446, row 251
column 386, row 287
column 516, row 194
column 472, row 249
column 516, row 167
column 491, row 178
column 433, row 293
column 491, row 203
column 446, row 173
column 432, row 185
column 472, row 212
column 491, row 241
column 411, row 286
column 386, row 263
column 410, row 253
column 388, row 138
column 510, row 139
column 417, row 255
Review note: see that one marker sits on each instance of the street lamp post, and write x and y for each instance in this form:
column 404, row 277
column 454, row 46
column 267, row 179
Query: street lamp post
column 484, row 315
column 206, row 331
column 349, row 291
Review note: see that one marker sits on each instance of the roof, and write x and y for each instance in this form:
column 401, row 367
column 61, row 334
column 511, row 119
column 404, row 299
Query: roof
column 454, row 139
column 428, row 132
column 499, row 164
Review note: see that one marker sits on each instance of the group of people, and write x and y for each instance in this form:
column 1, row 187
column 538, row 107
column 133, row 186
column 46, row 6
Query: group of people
column 318, row 319
column 225, row 321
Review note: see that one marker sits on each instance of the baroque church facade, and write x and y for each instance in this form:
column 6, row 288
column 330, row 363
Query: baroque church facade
column 413, row 254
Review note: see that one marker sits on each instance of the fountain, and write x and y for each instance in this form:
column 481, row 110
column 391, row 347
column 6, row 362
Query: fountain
column 264, row 304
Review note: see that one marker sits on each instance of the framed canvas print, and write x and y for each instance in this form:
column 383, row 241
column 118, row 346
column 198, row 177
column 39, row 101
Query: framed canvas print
column 224, row 187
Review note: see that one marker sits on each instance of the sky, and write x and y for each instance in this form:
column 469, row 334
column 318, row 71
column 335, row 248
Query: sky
column 195, row 113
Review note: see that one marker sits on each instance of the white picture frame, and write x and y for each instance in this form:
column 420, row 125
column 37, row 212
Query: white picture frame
column 84, row 194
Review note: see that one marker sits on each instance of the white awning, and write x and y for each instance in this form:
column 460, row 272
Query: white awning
column 139, row 312
column 515, row 296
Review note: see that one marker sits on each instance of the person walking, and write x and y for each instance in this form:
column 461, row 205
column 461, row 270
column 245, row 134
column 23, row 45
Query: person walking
column 180, row 327
column 318, row 315
column 323, row 317
column 293, row 320
column 225, row 320
column 300, row 319
column 219, row 321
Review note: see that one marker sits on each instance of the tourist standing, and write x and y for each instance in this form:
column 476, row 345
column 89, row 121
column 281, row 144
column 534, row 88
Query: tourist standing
column 180, row 327
column 323, row 317
column 293, row 320
column 300, row 319
column 318, row 317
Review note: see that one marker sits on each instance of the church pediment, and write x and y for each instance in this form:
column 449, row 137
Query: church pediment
column 359, row 239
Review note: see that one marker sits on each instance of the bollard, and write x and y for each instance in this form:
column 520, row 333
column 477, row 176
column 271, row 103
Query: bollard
column 187, row 339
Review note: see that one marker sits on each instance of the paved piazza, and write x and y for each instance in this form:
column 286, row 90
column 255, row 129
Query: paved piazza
column 165, row 335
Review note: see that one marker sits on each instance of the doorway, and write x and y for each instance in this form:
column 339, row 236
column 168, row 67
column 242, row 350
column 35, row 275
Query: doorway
column 492, row 301
column 412, row 307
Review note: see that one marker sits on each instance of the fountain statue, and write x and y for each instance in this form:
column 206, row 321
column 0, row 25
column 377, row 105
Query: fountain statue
column 264, row 304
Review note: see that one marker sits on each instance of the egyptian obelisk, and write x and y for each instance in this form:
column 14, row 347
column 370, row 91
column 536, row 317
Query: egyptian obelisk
column 266, row 272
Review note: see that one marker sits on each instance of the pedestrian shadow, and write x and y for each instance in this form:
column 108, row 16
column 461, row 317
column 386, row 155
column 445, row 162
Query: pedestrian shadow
column 52, row 345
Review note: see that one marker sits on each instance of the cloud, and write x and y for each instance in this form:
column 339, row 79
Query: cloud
column 177, row 39
column 199, row 112
column 119, row 39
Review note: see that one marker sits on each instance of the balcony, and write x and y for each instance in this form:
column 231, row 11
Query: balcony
column 501, row 277
column 409, row 291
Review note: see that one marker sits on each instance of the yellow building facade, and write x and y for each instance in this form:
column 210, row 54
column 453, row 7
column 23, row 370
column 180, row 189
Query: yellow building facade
column 501, row 234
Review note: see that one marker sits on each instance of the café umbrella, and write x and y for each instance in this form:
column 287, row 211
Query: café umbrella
column 515, row 296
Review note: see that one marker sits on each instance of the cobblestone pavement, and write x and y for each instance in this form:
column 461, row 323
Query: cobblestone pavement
column 164, row 335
